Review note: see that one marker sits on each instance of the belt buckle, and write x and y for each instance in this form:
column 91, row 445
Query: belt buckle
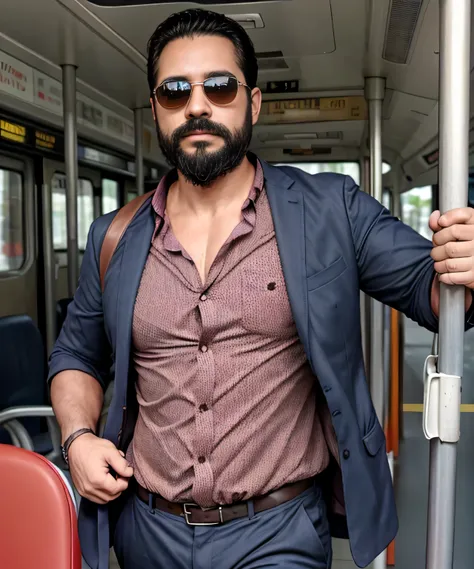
column 187, row 515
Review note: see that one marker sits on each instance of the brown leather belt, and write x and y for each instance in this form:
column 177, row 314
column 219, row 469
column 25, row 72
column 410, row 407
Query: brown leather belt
column 197, row 516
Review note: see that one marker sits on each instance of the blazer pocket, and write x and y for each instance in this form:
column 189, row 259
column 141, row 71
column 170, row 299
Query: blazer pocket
column 374, row 439
column 327, row 274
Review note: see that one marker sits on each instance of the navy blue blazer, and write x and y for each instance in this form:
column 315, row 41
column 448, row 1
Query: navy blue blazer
column 334, row 240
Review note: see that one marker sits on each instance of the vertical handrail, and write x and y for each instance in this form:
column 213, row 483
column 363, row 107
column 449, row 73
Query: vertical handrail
column 70, row 153
column 49, row 262
column 374, row 93
column 455, row 19
column 364, row 298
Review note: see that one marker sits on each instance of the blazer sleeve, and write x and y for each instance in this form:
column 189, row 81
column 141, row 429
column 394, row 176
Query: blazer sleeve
column 394, row 262
column 83, row 344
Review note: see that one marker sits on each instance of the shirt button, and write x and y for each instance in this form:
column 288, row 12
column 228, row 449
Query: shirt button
column 336, row 413
column 346, row 454
column 203, row 297
column 201, row 459
column 203, row 408
column 203, row 349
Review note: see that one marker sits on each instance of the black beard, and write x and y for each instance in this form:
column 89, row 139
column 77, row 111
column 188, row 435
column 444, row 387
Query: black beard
column 203, row 167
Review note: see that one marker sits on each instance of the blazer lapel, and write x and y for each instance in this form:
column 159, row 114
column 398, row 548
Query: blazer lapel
column 287, row 206
column 136, row 247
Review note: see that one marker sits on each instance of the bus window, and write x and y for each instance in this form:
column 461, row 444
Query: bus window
column 131, row 196
column 12, row 238
column 85, row 211
column 110, row 195
column 387, row 198
column 351, row 169
column 347, row 168
column 417, row 206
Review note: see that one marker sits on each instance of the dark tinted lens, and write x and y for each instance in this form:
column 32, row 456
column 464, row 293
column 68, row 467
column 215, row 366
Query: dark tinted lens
column 173, row 94
column 221, row 90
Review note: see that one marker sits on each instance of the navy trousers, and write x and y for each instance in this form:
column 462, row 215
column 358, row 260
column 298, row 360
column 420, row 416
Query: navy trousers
column 292, row 535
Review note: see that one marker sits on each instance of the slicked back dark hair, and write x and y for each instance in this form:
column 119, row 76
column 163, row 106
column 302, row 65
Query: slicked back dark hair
column 191, row 23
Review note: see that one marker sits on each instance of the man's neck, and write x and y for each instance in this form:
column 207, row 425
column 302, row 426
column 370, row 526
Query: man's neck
column 226, row 192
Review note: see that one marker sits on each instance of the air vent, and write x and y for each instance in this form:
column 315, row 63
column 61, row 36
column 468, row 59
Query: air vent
column 402, row 20
column 271, row 61
column 248, row 21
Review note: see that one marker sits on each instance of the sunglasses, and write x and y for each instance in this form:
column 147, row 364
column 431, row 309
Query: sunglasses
column 220, row 90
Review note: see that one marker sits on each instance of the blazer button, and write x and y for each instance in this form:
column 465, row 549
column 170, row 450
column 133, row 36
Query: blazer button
column 336, row 413
column 346, row 454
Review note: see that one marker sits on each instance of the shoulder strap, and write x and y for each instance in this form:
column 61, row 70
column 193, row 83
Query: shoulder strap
column 115, row 231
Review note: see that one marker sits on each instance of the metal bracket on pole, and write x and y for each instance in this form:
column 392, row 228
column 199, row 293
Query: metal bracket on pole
column 442, row 400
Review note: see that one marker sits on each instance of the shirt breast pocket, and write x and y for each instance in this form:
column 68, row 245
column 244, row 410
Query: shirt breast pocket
column 265, row 305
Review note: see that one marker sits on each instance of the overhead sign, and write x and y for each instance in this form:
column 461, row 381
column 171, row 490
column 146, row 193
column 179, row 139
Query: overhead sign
column 44, row 140
column 31, row 136
column 48, row 93
column 92, row 114
column 282, row 86
column 16, row 78
column 313, row 151
column 24, row 82
column 315, row 109
column 12, row 131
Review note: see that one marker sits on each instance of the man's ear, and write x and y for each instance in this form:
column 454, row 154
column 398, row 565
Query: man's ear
column 256, row 104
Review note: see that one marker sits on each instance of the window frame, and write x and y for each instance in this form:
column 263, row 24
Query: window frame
column 80, row 177
column 295, row 162
column 120, row 190
column 24, row 167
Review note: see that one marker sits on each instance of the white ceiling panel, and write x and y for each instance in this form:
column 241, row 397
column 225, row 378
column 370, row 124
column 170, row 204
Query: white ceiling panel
column 313, row 33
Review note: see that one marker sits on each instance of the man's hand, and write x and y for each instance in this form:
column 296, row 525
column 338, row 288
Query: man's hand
column 90, row 460
column 453, row 251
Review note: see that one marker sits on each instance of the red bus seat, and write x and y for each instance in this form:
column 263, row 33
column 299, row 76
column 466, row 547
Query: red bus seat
column 38, row 523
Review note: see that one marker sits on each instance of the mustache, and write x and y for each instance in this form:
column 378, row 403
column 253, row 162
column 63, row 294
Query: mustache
column 202, row 124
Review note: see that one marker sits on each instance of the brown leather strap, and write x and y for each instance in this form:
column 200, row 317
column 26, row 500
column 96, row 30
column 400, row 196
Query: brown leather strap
column 193, row 514
column 115, row 231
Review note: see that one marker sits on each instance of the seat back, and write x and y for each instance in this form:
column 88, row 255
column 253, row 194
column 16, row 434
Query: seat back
column 38, row 523
column 61, row 312
column 22, row 368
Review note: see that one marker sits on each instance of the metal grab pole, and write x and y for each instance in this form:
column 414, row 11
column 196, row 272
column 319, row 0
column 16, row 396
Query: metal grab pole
column 70, row 152
column 139, row 171
column 455, row 19
column 49, row 268
column 364, row 298
column 374, row 93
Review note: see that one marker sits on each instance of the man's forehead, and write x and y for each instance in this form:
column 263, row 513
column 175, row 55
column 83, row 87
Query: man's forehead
column 199, row 55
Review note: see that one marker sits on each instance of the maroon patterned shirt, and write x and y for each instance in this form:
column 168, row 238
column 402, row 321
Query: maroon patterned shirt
column 227, row 400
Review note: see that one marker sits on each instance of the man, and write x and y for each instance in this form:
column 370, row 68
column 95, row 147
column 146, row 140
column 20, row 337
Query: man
column 231, row 318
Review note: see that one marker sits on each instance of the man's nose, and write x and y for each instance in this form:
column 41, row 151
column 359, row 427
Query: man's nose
column 198, row 104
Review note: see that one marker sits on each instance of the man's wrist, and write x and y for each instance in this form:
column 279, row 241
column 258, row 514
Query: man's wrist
column 71, row 438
